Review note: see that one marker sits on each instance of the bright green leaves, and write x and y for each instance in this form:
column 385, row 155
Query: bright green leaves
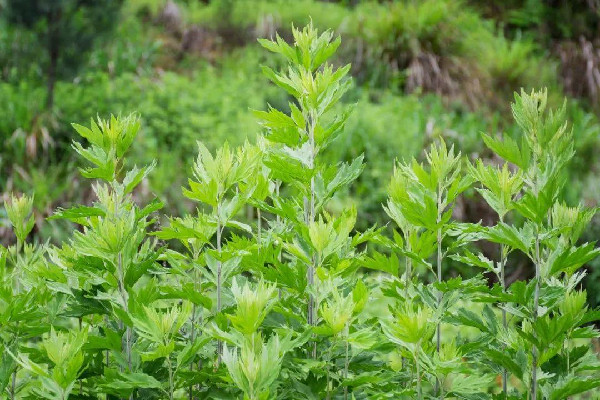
column 547, row 310
column 519, row 239
column 509, row 150
column 63, row 353
column 109, row 140
column 547, row 143
column 316, row 86
column 222, row 181
column 549, row 314
column 409, row 327
column 444, row 168
column 20, row 213
column 319, row 259
column 336, row 313
column 158, row 326
column 568, row 260
column 339, row 311
column 329, row 237
column 252, row 306
column 192, row 232
column 311, row 50
column 422, row 197
column 500, row 185
column 536, row 203
column 571, row 221
column 104, row 262
column 421, row 202
column 216, row 175
column 335, row 178
column 546, row 133
column 115, row 135
column 283, row 129
column 257, row 365
column 262, row 295
column 313, row 82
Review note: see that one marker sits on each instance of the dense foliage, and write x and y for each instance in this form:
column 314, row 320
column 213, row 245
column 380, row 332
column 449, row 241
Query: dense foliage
column 63, row 26
column 268, row 290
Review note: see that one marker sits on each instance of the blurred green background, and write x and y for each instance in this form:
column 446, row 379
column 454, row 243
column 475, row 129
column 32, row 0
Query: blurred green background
column 191, row 68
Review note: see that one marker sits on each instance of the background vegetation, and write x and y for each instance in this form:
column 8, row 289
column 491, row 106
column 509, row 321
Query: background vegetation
column 161, row 314
column 423, row 70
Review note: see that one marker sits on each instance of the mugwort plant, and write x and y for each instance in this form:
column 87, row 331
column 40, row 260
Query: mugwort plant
column 266, row 290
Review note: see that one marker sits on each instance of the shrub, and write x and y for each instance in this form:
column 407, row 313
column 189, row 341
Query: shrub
column 285, row 306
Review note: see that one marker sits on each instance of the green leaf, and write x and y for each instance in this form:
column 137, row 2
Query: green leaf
column 509, row 235
column 571, row 259
column 573, row 385
column 135, row 176
column 77, row 214
column 508, row 149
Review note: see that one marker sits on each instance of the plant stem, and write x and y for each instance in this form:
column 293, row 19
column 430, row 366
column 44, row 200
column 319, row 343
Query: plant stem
column 124, row 297
column 504, row 320
column 192, row 337
column 536, row 300
column 219, row 283
column 171, row 383
column 567, row 353
column 328, row 371
column 309, row 211
column 438, row 389
column 80, row 381
column 259, row 227
column 107, row 354
column 278, row 219
column 346, row 363
column 408, row 272
column 407, row 280
column 503, row 258
column 13, row 384
column 418, row 366
column 16, row 271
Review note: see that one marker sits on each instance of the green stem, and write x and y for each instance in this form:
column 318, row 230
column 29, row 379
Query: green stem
column 567, row 353
column 107, row 351
column 438, row 388
column 171, row 381
column 328, row 371
column 219, row 283
column 192, row 337
column 418, row 366
column 278, row 219
column 309, row 210
column 346, row 362
column 408, row 273
column 259, row 227
column 124, row 297
column 13, row 384
column 536, row 300
column 80, row 381
column 504, row 317
column 15, row 271
column 503, row 258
